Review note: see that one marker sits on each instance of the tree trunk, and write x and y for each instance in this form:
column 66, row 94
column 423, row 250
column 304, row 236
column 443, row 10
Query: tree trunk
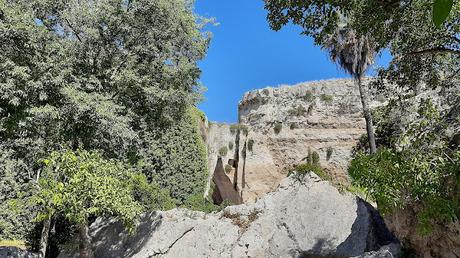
column 44, row 237
column 363, row 91
column 85, row 248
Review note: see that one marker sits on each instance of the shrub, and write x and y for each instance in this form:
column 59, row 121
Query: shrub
column 230, row 145
column 177, row 158
column 228, row 168
column 233, row 128
column 198, row 203
column 313, row 157
column 278, row 127
column 250, row 144
column 396, row 179
column 223, row 151
column 244, row 130
column 327, row 98
column 293, row 126
column 329, row 152
column 303, row 169
column 309, row 96
column 310, row 109
column 297, row 111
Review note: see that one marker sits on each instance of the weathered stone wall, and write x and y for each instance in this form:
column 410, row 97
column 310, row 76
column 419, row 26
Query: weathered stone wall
column 315, row 116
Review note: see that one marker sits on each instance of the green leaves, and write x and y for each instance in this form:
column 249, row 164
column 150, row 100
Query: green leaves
column 441, row 10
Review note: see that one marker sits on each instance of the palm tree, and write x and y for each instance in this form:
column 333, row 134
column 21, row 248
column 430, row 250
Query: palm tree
column 354, row 54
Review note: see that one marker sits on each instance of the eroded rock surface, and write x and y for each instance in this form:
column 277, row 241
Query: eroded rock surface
column 320, row 116
column 303, row 218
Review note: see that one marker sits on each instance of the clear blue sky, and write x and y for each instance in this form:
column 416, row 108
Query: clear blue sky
column 245, row 54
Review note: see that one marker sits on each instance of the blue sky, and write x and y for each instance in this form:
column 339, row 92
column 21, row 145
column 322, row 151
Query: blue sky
column 245, row 54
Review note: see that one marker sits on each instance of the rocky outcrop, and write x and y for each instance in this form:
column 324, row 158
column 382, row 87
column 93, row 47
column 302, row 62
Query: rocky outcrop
column 14, row 252
column 303, row 218
column 223, row 187
column 322, row 116
column 443, row 240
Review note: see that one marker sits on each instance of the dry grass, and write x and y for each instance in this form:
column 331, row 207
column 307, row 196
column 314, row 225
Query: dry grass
column 13, row 243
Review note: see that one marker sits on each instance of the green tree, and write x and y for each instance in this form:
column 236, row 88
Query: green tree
column 83, row 184
column 104, row 75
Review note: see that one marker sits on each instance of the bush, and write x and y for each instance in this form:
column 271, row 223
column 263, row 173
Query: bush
column 228, row 168
column 303, row 169
column 327, row 98
column 198, row 203
column 250, row 144
column 177, row 158
column 233, row 128
column 310, row 109
column 313, row 158
column 244, row 129
column 223, row 151
column 230, row 145
column 297, row 111
column 396, row 179
column 278, row 127
column 329, row 152
column 309, row 96
column 293, row 126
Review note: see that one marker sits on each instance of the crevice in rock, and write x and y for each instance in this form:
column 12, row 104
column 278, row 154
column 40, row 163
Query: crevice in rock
column 173, row 243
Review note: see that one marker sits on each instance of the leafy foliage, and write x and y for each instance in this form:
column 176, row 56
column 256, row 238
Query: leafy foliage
column 230, row 145
column 420, row 168
column 441, row 9
column 297, row 111
column 198, row 203
column 83, row 184
column 223, row 151
column 228, row 168
column 327, row 98
column 329, row 152
column 251, row 144
column 278, row 127
column 116, row 77
column 176, row 157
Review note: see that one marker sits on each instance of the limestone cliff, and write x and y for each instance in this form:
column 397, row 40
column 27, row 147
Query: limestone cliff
column 322, row 116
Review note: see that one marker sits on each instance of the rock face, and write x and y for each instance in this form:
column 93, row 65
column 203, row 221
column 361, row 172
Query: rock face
column 303, row 218
column 322, row 116
column 14, row 252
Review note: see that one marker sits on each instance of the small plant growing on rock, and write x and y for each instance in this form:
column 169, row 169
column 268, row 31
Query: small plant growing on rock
column 327, row 98
column 309, row 96
column 244, row 129
column 329, row 152
column 297, row 111
column 230, row 145
column 223, row 151
column 278, row 127
column 233, row 128
column 250, row 144
column 228, row 168
column 312, row 158
column 310, row 109
column 315, row 158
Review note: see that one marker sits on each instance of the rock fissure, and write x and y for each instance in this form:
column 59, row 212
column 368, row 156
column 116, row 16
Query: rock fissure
column 173, row 243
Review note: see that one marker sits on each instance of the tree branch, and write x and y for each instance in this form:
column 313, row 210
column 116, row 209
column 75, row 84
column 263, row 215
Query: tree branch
column 73, row 30
column 435, row 50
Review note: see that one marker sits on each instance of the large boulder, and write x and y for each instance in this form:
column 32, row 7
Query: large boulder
column 14, row 252
column 303, row 218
